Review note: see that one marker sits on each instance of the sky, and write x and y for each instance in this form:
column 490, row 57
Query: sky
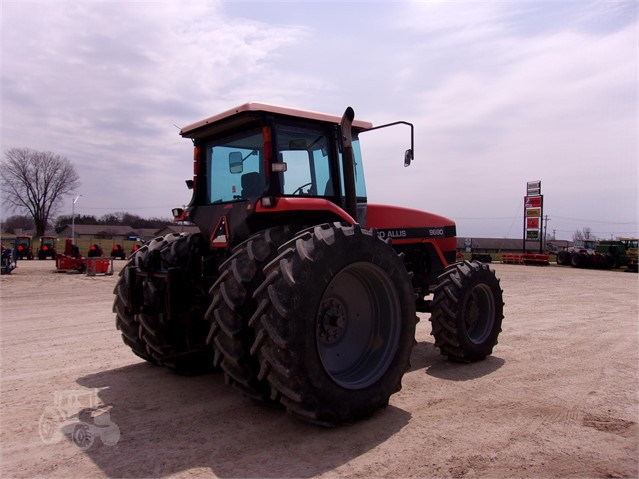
column 500, row 93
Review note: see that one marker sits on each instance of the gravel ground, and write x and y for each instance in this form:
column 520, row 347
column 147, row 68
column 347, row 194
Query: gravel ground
column 559, row 397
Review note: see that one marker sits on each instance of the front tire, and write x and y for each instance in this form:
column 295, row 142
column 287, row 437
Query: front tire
column 467, row 311
column 335, row 324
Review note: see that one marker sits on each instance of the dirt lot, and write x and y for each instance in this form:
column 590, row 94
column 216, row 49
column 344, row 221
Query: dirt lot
column 559, row 398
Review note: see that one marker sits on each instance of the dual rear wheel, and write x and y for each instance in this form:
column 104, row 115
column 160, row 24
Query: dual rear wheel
column 159, row 303
column 322, row 321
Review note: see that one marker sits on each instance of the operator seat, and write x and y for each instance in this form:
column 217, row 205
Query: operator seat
column 252, row 185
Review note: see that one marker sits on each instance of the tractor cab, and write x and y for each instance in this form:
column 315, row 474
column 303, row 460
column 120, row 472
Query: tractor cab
column 47, row 247
column 276, row 161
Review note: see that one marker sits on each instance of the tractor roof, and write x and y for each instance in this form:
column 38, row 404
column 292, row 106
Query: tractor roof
column 194, row 130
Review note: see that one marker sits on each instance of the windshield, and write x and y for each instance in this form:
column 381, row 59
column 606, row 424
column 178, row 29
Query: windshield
column 235, row 165
column 306, row 152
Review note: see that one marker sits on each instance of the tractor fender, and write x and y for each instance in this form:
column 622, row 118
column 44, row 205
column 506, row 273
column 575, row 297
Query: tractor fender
column 284, row 205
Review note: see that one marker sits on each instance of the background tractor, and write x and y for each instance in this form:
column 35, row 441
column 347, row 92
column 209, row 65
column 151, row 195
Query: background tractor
column 47, row 247
column 95, row 251
column 622, row 252
column 297, row 288
column 23, row 248
column 118, row 252
column 585, row 254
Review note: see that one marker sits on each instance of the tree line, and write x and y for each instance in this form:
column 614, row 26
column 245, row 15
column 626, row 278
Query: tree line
column 25, row 223
column 114, row 219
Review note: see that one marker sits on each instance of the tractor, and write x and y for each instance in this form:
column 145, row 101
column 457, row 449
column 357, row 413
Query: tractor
column 302, row 293
column 632, row 252
column 47, row 247
column 585, row 254
column 23, row 248
column 118, row 252
column 622, row 252
column 95, row 251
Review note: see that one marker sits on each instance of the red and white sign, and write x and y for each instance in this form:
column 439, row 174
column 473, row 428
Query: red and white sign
column 532, row 223
column 533, row 201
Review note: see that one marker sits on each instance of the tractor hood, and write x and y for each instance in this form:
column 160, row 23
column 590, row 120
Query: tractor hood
column 405, row 223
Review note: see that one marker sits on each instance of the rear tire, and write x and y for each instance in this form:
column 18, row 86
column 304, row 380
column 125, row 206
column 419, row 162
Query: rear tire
column 578, row 260
column 563, row 258
column 232, row 308
column 467, row 311
column 174, row 338
column 125, row 318
column 335, row 324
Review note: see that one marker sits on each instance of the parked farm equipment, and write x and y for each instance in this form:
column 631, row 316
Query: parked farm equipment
column 585, row 254
column 7, row 261
column 297, row 288
column 47, row 247
column 23, row 248
column 622, row 252
column 483, row 257
column 530, row 259
column 73, row 262
column 95, row 251
column 118, row 252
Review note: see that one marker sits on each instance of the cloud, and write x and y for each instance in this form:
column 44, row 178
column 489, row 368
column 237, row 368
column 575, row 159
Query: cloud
column 105, row 83
column 510, row 107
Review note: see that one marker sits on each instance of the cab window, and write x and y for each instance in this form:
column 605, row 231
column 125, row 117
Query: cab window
column 306, row 154
column 234, row 167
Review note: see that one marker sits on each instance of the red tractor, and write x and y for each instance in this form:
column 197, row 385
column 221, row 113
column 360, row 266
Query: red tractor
column 295, row 287
column 95, row 251
column 47, row 247
column 118, row 252
column 23, row 248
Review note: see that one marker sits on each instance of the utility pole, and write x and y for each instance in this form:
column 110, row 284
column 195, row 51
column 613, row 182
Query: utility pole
column 73, row 220
column 545, row 230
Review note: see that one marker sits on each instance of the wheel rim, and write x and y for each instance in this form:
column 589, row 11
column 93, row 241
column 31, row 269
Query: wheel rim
column 358, row 325
column 81, row 436
column 479, row 313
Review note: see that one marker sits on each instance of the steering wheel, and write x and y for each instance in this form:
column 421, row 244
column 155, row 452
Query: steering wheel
column 300, row 189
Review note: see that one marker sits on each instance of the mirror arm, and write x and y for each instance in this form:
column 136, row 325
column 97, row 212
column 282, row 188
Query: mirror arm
column 412, row 134
column 254, row 152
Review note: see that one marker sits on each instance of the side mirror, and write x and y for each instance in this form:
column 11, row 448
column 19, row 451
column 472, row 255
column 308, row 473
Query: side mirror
column 236, row 164
column 177, row 213
column 408, row 157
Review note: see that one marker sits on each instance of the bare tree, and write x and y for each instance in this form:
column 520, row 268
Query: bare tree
column 584, row 234
column 35, row 182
